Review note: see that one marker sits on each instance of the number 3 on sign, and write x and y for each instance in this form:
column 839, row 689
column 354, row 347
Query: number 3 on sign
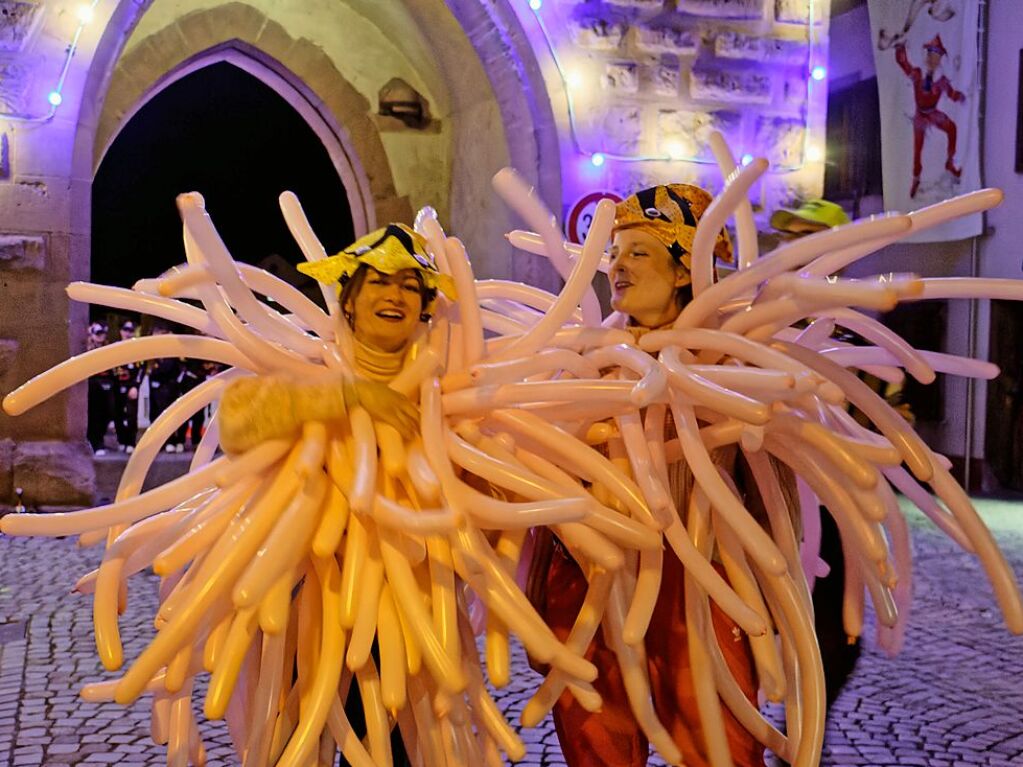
column 580, row 215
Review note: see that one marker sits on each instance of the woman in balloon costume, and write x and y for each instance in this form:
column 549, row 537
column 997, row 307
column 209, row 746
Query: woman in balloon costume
column 650, row 276
column 340, row 517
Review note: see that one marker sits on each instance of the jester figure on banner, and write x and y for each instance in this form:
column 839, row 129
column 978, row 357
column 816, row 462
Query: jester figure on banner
column 928, row 88
column 389, row 463
column 926, row 51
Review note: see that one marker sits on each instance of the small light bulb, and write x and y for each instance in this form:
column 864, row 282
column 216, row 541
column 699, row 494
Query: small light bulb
column 536, row 5
column 818, row 73
column 85, row 14
column 573, row 79
column 55, row 98
column 746, row 159
column 814, row 154
column 597, row 158
column 675, row 150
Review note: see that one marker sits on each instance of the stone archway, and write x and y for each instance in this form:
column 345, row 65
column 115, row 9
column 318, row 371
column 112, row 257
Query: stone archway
column 296, row 69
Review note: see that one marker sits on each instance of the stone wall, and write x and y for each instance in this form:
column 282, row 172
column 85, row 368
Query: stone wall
column 648, row 80
column 43, row 237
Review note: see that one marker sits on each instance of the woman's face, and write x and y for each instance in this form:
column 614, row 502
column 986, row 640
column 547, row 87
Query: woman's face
column 386, row 309
column 644, row 278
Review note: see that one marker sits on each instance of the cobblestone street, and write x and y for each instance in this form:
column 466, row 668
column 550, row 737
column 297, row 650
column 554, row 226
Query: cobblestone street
column 954, row 697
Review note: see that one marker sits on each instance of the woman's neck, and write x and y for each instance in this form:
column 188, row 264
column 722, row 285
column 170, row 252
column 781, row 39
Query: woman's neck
column 375, row 364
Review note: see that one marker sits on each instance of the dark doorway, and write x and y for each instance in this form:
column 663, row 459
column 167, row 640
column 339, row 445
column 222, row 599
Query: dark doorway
column 224, row 133
column 1003, row 444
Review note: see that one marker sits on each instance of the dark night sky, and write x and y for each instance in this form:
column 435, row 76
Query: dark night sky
column 223, row 133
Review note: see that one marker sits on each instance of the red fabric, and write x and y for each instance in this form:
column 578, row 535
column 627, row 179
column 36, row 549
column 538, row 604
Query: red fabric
column 612, row 736
column 927, row 92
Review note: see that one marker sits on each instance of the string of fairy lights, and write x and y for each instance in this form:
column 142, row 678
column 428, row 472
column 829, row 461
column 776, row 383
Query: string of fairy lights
column 84, row 14
column 674, row 152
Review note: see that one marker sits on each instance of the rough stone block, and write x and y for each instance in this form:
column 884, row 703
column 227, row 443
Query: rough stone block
column 598, row 34
column 644, row 5
column 8, row 351
column 14, row 74
column 734, row 45
column 22, row 252
column 680, row 41
column 780, row 140
column 17, row 22
column 793, row 11
column 724, row 9
column 794, row 90
column 623, row 128
column 736, row 87
column 665, row 80
column 621, row 78
column 55, row 473
column 686, row 133
column 786, row 52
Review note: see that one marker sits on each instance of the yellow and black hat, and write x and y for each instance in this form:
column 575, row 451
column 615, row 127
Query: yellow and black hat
column 670, row 212
column 388, row 250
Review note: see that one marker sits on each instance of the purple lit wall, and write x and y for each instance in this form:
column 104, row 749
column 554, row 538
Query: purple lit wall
column 637, row 85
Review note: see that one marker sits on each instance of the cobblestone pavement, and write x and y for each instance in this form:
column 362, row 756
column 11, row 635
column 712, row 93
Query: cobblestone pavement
column 953, row 698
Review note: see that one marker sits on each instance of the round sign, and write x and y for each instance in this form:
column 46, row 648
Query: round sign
column 580, row 216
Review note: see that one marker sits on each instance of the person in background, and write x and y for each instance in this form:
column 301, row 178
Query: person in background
column 839, row 652
column 164, row 380
column 193, row 372
column 101, row 393
column 127, row 379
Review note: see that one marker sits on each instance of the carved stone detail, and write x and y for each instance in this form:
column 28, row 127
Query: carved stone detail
column 664, row 39
column 724, row 9
column 13, row 85
column 781, row 139
column 738, row 87
column 687, row 132
column 623, row 128
column 735, row 45
column 598, row 34
column 621, row 77
column 21, row 252
column 17, row 19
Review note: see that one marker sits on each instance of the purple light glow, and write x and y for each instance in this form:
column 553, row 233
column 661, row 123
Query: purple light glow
column 55, row 98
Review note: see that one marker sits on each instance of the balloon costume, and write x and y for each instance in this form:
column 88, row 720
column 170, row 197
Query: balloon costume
column 346, row 524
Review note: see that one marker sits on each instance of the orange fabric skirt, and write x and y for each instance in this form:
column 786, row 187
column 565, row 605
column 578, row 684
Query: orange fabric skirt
column 612, row 737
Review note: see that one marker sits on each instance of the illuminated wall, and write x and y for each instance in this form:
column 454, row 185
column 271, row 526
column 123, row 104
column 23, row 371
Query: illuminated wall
column 637, row 85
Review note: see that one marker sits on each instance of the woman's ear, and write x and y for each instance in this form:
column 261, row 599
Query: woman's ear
column 682, row 277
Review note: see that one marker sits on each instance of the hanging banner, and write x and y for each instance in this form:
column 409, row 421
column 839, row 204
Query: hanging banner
column 925, row 54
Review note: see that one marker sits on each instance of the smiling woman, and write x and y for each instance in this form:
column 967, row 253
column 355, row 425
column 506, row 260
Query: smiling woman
column 388, row 286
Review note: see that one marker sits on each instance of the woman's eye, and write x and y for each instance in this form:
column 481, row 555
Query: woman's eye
column 411, row 287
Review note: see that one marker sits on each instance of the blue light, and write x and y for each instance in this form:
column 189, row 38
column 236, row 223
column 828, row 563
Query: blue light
column 597, row 159
column 535, row 4
column 55, row 98
column 746, row 159
column 819, row 73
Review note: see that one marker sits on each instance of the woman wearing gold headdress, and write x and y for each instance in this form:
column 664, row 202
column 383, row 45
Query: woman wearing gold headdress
column 650, row 280
column 387, row 287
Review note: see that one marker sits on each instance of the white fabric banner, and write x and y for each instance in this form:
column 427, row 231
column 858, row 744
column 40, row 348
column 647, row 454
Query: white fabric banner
column 925, row 54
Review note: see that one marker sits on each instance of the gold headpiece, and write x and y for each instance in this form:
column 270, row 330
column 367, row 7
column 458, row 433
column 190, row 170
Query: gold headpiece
column 388, row 250
column 670, row 213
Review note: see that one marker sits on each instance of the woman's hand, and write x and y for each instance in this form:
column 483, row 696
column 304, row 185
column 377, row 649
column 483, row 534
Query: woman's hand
column 383, row 404
column 253, row 410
